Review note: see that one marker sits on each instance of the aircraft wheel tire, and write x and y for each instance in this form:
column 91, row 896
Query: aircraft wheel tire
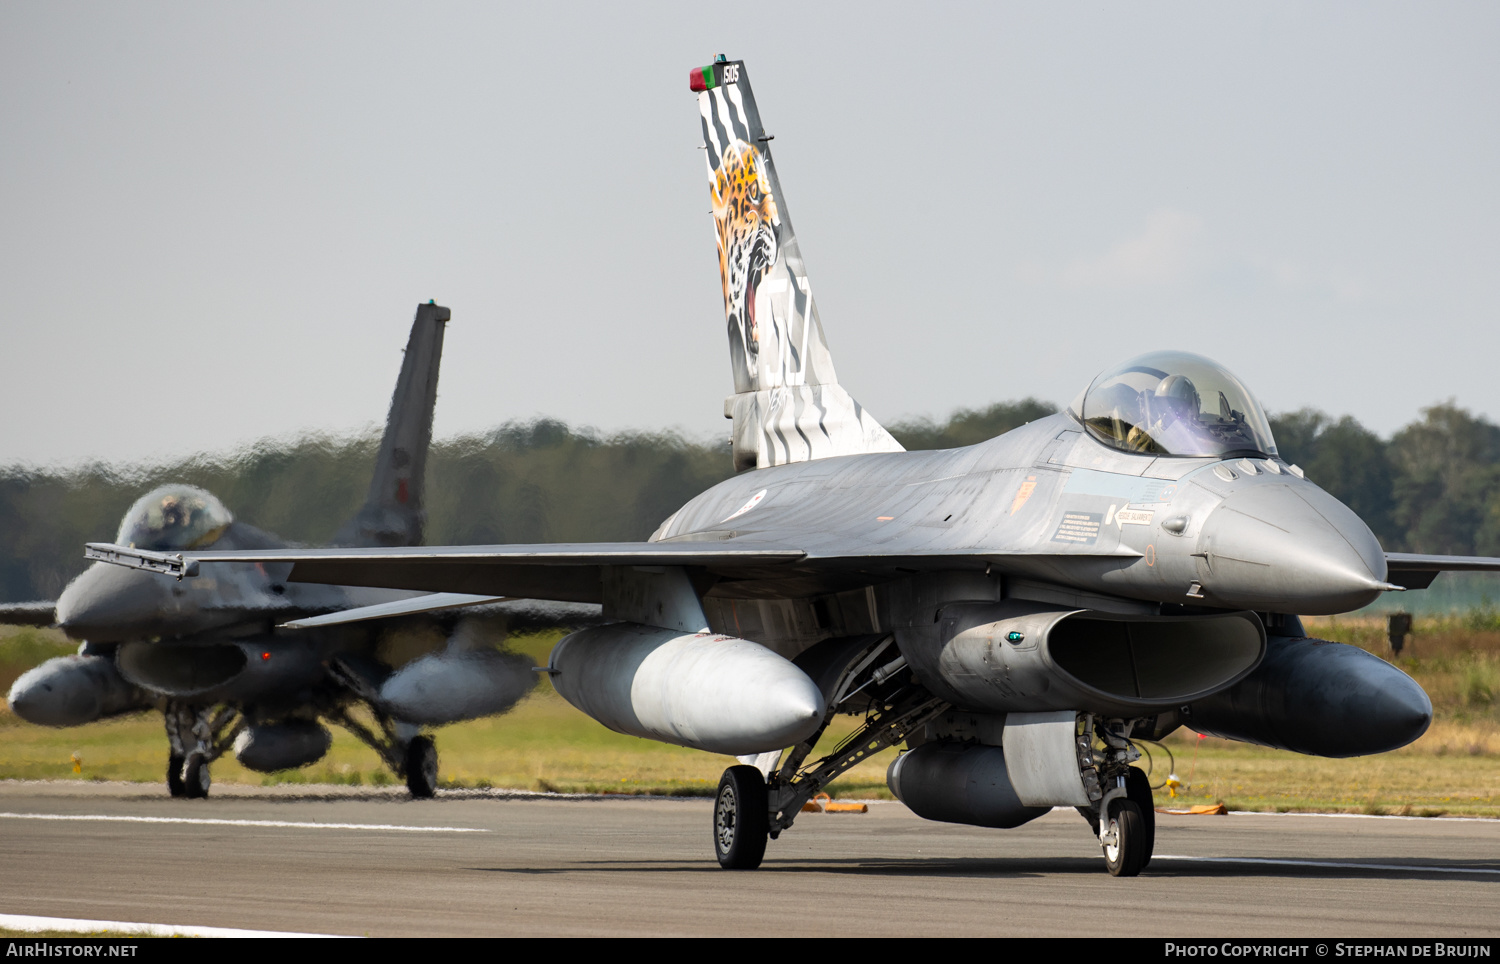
column 422, row 767
column 175, row 786
column 195, row 777
column 1126, row 855
column 742, row 821
column 1138, row 792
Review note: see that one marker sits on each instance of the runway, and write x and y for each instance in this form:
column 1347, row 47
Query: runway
column 370, row 862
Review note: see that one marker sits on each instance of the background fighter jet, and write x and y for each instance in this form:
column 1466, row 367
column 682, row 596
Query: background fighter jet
column 1020, row 613
column 207, row 651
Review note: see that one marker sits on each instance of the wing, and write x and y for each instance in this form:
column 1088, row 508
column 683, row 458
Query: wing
column 1416, row 571
column 574, row 572
column 567, row 572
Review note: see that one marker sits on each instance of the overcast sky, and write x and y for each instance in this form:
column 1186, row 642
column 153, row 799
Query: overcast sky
column 218, row 218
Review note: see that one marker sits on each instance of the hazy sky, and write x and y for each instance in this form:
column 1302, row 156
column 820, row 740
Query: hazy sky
column 219, row 218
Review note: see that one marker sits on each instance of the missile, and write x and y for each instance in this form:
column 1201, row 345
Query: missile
column 700, row 690
column 73, row 690
column 446, row 687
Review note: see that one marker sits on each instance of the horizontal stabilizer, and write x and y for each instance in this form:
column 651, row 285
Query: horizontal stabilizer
column 28, row 614
column 1415, row 570
column 430, row 602
column 521, row 615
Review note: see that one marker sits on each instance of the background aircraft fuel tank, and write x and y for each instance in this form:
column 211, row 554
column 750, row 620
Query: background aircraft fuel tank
column 72, row 691
column 268, row 747
column 1314, row 696
column 446, row 687
column 700, row 690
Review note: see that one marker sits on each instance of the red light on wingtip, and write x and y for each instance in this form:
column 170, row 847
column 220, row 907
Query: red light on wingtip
column 265, row 656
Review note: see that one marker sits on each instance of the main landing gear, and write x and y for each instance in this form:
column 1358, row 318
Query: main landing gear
column 421, row 767
column 751, row 808
column 742, row 822
column 410, row 755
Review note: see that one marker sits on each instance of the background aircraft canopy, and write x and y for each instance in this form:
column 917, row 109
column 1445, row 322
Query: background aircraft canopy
column 174, row 517
column 1174, row 403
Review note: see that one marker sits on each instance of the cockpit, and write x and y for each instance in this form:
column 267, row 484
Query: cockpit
column 173, row 518
column 1174, row 403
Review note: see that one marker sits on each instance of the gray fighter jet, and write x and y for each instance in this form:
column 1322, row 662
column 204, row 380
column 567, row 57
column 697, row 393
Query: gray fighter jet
column 242, row 660
column 1021, row 613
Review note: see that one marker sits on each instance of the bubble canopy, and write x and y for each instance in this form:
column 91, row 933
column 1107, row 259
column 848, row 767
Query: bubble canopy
column 1174, row 403
column 172, row 518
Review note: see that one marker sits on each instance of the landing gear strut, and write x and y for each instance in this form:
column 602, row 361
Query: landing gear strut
column 410, row 756
column 749, row 807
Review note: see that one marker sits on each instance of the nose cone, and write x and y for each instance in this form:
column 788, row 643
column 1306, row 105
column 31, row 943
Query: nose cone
column 1289, row 547
column 110, row 604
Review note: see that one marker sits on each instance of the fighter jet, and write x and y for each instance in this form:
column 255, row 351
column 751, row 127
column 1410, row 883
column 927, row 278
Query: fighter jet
column 250, row 661
column 1021, row 614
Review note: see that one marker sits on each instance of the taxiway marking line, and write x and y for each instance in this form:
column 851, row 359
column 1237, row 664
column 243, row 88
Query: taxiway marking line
column 214, row 821
column 26, row 922
column 1335, row 864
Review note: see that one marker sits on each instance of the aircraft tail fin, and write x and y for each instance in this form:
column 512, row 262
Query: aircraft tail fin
column 788, row 405
column 394, row 513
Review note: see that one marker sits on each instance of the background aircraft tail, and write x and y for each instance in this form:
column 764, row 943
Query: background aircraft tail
column 788, row 405
column 394, row 513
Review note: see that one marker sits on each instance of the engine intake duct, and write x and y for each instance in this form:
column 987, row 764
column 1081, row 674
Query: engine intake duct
column 1023, row 656
column 235, row 671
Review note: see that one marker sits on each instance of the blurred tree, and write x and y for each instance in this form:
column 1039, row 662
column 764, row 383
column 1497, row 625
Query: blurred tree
column 1347, row 460
column 1447, row 478
column 968, row 427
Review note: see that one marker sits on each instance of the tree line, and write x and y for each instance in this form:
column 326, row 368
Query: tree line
column 1434, row 486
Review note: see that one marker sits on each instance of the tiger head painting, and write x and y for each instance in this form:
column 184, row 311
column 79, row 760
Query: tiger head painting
column 748, row 227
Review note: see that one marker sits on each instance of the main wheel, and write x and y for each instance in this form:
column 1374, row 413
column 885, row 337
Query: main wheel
column 1138, row 792
column 742, row 821
column 175, row 786
column 421, row 767
column 195, row 777
column 1125, row 839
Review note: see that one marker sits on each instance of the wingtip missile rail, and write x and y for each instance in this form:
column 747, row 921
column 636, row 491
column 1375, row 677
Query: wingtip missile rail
column 166, row 563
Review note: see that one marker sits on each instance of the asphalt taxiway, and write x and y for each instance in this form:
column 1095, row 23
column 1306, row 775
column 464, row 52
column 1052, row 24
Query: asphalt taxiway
column 368, row 861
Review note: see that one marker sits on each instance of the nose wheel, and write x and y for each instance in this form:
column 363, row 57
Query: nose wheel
column 195, row 776
column 742, row 820
column 1124, row 839
column 175, row 786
